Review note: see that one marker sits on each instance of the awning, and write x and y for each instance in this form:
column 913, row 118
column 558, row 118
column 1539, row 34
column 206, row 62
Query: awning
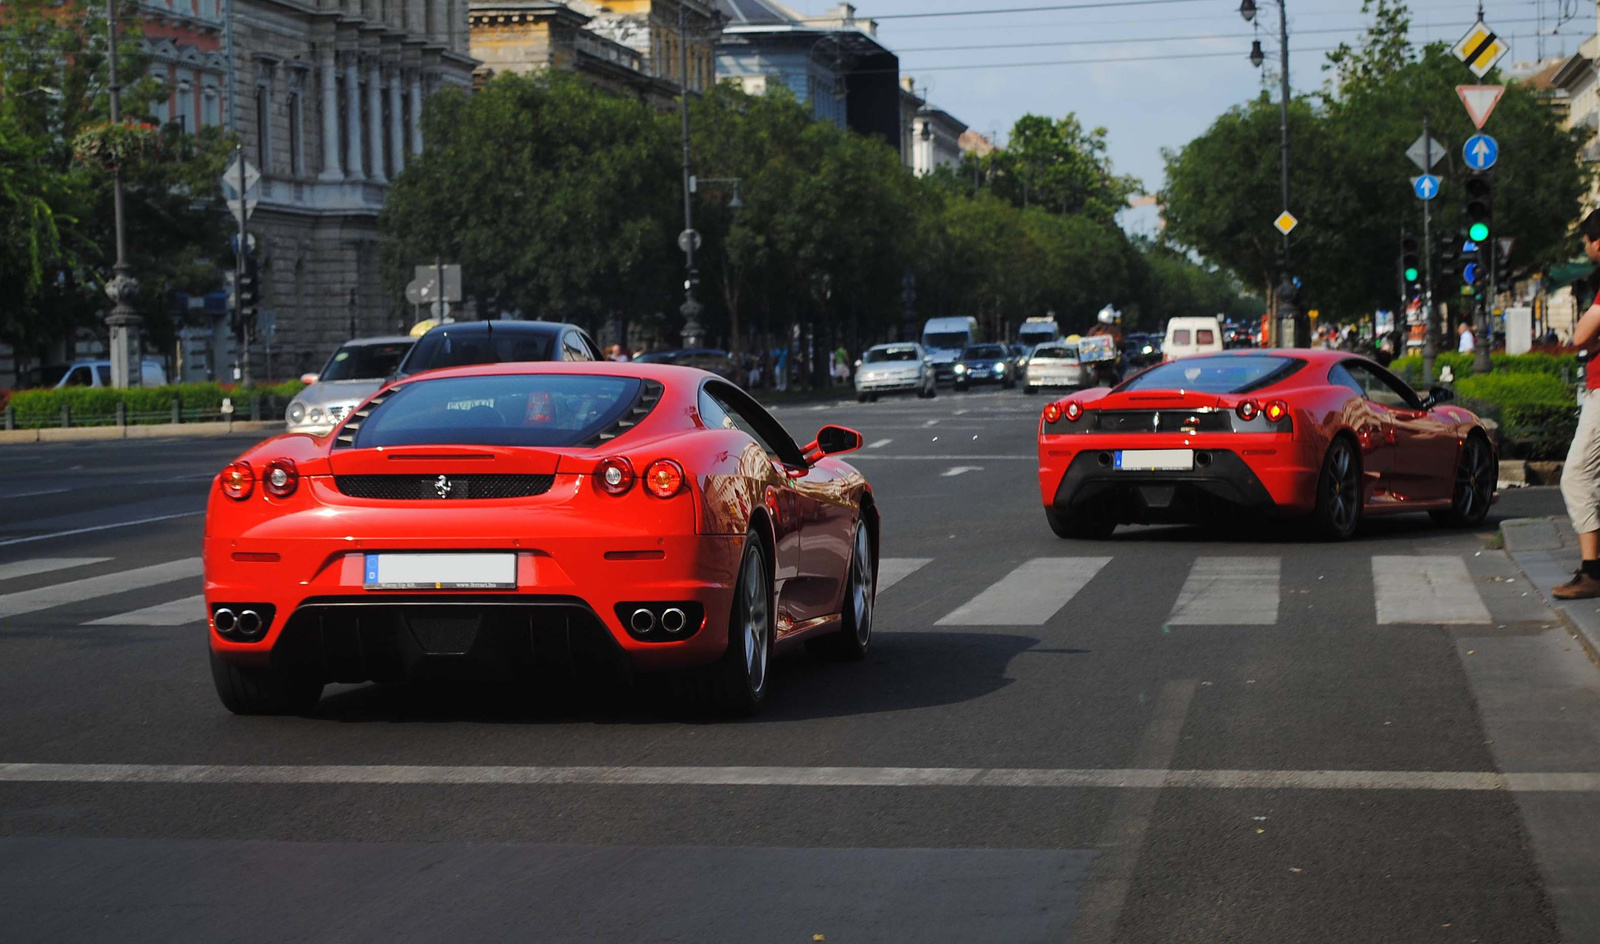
column 1563, row 274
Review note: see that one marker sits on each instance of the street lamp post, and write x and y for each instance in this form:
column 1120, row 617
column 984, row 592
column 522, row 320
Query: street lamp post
column 1247, row 9
column 691, row 308
column 124, row 321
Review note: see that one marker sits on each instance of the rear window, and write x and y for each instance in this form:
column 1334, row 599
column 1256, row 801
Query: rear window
column 365, row 361
column 460, row 349
column 985, row 350
column 1055, row 352
column 1216, row 374
column 1181, row 336
column 1207, row 336
column 503, row 410
column 879, row 355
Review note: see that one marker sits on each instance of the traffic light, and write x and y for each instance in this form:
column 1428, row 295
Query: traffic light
column 1410, row 260
column 1480, row 207
column 1449, row 257
column 248, row 292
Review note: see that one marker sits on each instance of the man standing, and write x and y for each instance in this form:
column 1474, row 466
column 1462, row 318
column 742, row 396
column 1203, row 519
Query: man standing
column 1580, row 477
column 1468, row 343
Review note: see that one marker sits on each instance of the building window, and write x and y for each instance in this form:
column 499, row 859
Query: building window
column 365, row 117
column 208, row 9
column 185, row 93
column 210, row 106
column 297, row 158
column 161, row 109
column 264, row 128
column 339, row 104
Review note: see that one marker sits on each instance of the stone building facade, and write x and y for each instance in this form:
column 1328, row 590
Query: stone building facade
column 328, row 99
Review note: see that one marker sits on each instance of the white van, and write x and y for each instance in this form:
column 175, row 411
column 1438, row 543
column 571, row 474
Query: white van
column 1186, row 336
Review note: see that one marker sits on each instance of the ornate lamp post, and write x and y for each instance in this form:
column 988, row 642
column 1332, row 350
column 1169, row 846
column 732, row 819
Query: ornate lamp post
column 689, row 240
column 124, row 321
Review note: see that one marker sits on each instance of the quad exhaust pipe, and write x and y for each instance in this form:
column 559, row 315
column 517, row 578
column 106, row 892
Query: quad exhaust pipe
column 642, row 620
column 673, row 620
column 249, row 622
column 224, row 619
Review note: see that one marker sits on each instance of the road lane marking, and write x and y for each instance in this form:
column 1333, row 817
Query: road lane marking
column 928, row 423
column 956, row 470
column 45, row 565
column 176, row 613
column 89, row 588
column 1122, row 836
column 892, row 570
column 1126, row 778
column 1029, row 595
column 1229, row 591
column 43, row 491
column 1428, row 590
column 99, row 527
column 879, row 443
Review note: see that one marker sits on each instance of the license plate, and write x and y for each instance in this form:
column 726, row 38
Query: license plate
column 440, row 572
column 1154, row 460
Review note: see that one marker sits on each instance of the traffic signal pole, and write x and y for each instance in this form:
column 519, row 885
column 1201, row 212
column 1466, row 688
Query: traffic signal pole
column 239, row 279
column 1430, row 338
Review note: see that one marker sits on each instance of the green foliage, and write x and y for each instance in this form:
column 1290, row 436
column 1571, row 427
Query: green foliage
column 97, row 406
column 1564, row 366
column 1059, row 166
column 1537, row 411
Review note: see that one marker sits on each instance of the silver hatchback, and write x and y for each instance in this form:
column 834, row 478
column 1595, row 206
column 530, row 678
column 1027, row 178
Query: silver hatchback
column 354, row 373
column 895, row 368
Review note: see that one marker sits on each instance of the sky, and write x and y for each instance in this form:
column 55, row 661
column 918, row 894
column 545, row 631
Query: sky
column 1160, row 101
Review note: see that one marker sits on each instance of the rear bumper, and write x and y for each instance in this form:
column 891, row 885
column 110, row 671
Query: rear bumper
column 1267, row 473
column 889, row 385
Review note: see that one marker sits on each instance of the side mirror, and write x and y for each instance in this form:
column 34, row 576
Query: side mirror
column 308, row 379
column 833, row 440
column 1437, row 395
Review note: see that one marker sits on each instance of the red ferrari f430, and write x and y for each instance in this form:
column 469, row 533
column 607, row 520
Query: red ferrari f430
column 505, row 520
column 1325, row 436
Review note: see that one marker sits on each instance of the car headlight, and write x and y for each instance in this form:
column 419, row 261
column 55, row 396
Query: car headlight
column 316, row 414
column 961, row 368
column 297, row 413
column 999, row 368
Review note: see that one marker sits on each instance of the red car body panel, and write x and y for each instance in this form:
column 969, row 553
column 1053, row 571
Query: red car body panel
column 1409, row 456
column 573, row 542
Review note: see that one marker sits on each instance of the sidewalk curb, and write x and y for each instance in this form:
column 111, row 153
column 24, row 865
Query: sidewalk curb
column 1545, row 549
column 90, row 433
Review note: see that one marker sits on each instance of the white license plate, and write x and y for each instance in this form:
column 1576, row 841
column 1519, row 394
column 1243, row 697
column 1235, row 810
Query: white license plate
column 1154, row 460
column 440, row 572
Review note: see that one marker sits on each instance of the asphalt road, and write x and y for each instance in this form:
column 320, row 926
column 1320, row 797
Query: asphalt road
column 1176, row 735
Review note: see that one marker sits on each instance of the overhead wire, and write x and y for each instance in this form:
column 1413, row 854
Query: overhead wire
column 1093, row 5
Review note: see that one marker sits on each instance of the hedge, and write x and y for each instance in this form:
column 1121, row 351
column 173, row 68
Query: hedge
column 1537, row 412
column 1556, row 365
column 97, row 406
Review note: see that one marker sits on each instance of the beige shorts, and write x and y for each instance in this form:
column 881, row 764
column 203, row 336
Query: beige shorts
column 1580, row 477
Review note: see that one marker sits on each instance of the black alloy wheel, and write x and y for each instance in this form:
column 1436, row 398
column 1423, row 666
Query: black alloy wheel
column 854, row 635
column 1474, row 485
column 1338, row 511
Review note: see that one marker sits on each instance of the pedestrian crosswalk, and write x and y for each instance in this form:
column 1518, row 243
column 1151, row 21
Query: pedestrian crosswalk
column 1205, row 591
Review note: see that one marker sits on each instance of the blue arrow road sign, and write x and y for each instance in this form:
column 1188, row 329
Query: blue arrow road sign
column 1469, row 246
column 1425, row 187
column 1470, row 273
column 1481, row 151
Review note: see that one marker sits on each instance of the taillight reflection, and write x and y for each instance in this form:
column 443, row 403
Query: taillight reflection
column 238, row 481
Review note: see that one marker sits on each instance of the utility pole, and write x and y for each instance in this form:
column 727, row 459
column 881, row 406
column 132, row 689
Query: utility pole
column 127, row 366
column 1283, row 113
column 691, row 308
column 239, row 269
column 1430, row 336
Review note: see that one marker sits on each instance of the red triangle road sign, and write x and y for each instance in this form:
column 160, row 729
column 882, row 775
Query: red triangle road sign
column 1480, row 101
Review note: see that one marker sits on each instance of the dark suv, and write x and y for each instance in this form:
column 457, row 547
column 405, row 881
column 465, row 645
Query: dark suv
column 496, row 342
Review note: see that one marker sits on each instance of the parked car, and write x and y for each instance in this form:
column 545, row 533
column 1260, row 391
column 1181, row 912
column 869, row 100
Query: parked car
column 461, row 343
column 354, row 372
column 716, row 361
column 88, row 373
column 985, row 363
column 519, row 520
column 895, row 368
column 1054, row 365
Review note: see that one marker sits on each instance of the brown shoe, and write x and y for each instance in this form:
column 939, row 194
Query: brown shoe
column 1580, row 587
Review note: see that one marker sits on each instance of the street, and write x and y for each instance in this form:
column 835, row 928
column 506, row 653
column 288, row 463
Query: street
column 1174, row 735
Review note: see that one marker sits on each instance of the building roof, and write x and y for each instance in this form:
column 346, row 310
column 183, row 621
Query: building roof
column 755, row 13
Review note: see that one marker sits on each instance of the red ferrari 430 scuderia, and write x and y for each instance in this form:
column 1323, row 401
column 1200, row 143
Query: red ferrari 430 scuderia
column 1326, row 435
column 502, row 520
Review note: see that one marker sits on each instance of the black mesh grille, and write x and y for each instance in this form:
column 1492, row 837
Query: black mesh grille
column 1162, row 421
column 436, row 487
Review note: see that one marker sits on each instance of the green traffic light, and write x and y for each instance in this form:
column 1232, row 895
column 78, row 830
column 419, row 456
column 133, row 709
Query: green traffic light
column 1411, row 274
column 1478, row 232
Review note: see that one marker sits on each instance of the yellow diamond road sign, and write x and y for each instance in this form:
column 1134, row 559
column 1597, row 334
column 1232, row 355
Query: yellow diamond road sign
column 1285, row 222
column 1480, row 49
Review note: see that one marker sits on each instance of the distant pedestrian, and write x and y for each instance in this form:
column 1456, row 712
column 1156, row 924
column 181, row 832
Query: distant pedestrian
column 1468, row 343
column 1580, row 477
column 618, row 354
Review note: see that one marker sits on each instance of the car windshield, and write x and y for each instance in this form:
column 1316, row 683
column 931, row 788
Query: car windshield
column 365, row 361
column 1216, row 374
column 945, row 340
column 500, row 410
column 985, row 350
column 460, row 349
column 1055, row 352
column 880, row 355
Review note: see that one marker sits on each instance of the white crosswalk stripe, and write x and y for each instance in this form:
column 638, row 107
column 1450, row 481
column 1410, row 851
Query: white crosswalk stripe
column 1430, row 590
column 892, row 570
column 90, row 588
column 1029, row 595
column 1229, row 591
column 176, row 613
column 45, row 565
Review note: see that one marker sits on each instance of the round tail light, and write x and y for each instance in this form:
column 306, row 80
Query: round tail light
column 1052, row 413
column 238, row 481
column 1073, row 411
column 1247, row 409
column 614, row 476
column 1275, row 410
column 664, row 478
column 280, row 478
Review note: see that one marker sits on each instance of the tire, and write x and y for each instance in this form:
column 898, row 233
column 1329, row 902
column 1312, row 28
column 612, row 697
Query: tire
column 1338, row 511
column 1030, row 390
column 850, row 642
column 736, row 684
column 1473, row 487
column 872, row 398
column 1086, row 525
column 961, row 388
column 250, row 691
column 861, row 398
